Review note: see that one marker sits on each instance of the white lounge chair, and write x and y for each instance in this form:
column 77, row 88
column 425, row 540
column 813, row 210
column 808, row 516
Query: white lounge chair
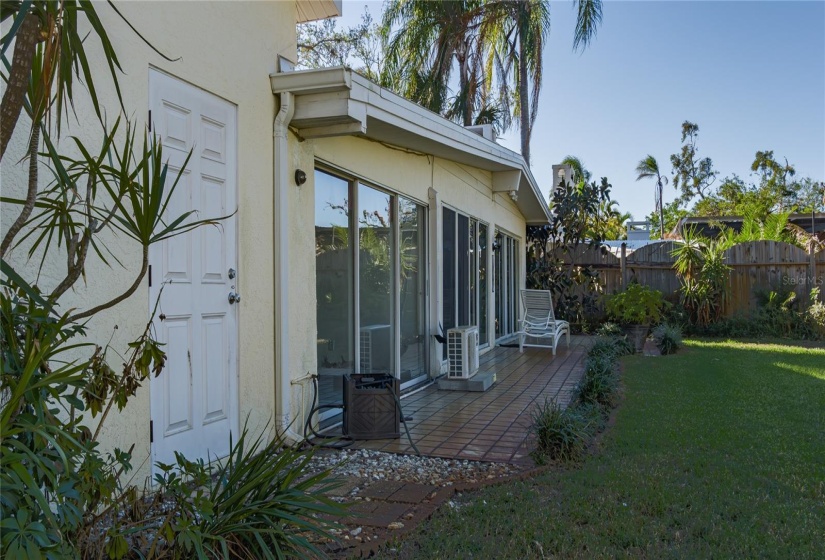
column 540, row 322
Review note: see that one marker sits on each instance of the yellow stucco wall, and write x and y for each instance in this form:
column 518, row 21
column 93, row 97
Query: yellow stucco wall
column 228, row 49
column 459, row 186
column 199, row 33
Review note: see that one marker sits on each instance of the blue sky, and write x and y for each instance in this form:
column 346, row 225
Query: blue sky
column 750, row 74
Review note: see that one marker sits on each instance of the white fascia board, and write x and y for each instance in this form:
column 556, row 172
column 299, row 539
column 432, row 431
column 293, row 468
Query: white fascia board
column 528, row 181
column 314, row 10
column 393, row 109
column 433, row 126
column 304, row 82
column 352, row 98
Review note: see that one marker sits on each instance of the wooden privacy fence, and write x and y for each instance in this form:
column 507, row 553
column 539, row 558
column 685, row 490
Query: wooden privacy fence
column 756, row 267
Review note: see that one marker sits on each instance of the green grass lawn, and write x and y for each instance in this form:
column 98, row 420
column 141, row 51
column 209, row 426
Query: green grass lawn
column 717, row 452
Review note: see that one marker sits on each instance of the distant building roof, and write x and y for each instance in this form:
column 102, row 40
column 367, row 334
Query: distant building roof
column 710, row 226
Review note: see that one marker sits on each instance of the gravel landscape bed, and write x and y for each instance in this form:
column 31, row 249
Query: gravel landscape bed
column 375, row 466
column 361, row 468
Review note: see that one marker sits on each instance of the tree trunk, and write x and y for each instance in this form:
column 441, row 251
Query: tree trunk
column 464, row 88
column 125, row 295
column 25, row 44
column 31, row 195
column 661, row 211
column 524, row 102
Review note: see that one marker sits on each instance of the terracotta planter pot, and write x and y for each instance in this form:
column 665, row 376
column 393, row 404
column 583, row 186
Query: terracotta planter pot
column 637, row 334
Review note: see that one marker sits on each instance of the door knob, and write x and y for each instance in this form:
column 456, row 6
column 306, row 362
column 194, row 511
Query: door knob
column 234, row 297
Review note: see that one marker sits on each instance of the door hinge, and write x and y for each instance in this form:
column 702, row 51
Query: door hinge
column 150, row 120
column 151, row 431
column 150, row 275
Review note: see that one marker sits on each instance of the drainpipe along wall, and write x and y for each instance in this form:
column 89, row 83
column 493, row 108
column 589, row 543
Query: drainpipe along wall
column 283, row 395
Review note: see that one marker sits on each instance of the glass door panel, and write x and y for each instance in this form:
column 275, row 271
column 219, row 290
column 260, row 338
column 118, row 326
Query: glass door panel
column 482, row 284
column 473, row 241
column 449, row 262
column 514, row 286
column 333, row 285
column 463, row 287
column 498, row 286
column 375, row 281
column 413, row 291
column 506, row 285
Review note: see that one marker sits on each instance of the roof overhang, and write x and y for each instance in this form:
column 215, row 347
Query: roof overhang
column 338, row 102
column 314, row 10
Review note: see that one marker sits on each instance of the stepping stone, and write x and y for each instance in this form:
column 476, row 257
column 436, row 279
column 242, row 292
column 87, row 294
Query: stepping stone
column 411, row 493
column 381, row 490
column 346, row 486
column 378, row 514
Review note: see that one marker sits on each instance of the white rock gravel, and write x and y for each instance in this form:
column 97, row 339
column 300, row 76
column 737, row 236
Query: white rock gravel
column 374, row 466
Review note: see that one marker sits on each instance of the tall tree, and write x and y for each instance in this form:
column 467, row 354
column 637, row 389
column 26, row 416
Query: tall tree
column 775, row 178
column 693, row 175
column 322, row 44
column 580, row 172
column 426, row 42
column 516, row 31
column 648, row 168
column 608, row 222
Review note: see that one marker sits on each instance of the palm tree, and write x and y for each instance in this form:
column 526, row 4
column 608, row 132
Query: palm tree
column 49, row 57
column 431, row 38
column 610, row 221
column 516, row 30
column 648, row 168
column 580, row 172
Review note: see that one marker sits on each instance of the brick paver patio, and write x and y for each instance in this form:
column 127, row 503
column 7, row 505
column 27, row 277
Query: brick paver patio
column 493, row 425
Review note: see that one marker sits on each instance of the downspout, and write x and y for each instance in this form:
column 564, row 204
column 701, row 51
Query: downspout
column 283, row 389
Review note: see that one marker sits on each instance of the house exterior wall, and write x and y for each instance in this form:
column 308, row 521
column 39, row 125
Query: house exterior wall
column 461, row 187
column 236, row 69
column 228, row 49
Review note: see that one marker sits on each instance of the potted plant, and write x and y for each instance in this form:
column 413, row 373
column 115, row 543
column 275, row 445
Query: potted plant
column 636, row 308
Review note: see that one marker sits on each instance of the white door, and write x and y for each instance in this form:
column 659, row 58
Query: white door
column 194, row 400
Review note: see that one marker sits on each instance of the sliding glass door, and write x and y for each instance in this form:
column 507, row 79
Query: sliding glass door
column 506, row 284
column 371, row 279
column 412, row 303
column 464, row 251
column 334, row 281
column 375, row 281
column 483, row 285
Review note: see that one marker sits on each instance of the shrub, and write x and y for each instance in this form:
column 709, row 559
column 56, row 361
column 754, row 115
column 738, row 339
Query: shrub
column 258, row 503
column 636, row 305
column 617, row 338
column 615, row 346
column 776, row 318
column 596, row 389
column 599, row 382
column 668, row 338
column 604, row 346
column 610, row 329
column 561, row 433
column 602, row 364
column 815, row 314
column 703, row 274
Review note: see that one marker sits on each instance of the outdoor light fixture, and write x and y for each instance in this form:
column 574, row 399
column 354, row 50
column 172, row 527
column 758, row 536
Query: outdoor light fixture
column 300, row 177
